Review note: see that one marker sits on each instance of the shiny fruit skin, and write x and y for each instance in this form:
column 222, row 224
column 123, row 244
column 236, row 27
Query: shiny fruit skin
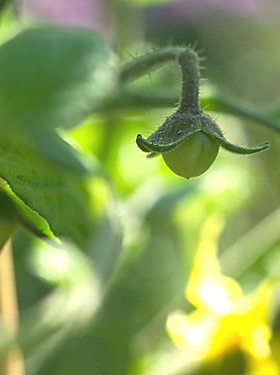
column 192, row 157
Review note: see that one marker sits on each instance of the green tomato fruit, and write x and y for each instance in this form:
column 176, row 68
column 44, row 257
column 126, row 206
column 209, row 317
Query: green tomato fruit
column 192, row 157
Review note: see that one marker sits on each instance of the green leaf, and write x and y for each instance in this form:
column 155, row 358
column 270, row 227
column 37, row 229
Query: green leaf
column 54, row 193
column 49, row 77
column 52, row 77
column 52, row 147
column 13, row 210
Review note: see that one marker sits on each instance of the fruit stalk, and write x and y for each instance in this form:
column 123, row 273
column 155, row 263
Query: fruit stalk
column 190, row 82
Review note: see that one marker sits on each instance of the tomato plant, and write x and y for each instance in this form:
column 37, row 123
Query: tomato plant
column 105, row 239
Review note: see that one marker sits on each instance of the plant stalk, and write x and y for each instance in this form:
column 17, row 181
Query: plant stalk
column 190, row 82
column 146, row 63
column 12, row 362
column 189, row 63
column 129, row 99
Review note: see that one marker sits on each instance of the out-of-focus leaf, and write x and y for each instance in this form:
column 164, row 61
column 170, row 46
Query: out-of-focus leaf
column 106, row 246
column 51, row 77
column 3, row 4
column 68, row 308
column 144, row 286
column 55, row 194
column 51, row 146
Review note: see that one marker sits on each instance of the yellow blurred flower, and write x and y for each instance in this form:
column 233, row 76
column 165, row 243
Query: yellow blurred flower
column 225, row 319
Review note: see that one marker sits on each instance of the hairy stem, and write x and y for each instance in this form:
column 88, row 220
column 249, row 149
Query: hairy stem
column 190, row 81
column 146, row 63
column 128, row 99
column 188, row 61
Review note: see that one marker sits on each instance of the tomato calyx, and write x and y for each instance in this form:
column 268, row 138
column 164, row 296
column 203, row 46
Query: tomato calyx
column 183, row 128
column 180, row 126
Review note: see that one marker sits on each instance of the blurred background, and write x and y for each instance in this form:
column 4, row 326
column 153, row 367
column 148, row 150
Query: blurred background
column 190, row 268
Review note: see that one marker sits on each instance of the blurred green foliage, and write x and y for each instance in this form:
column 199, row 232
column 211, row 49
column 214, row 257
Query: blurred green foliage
column 125, row 230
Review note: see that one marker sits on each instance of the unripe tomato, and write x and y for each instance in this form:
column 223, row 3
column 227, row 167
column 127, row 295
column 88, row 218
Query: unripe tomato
column 192, row 157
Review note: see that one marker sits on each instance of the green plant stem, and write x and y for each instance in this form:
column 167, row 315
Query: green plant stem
column 128, row 99
column 225, row 104
column 146, row 63
column 188, row 61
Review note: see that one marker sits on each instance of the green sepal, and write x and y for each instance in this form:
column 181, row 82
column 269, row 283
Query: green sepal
column 180, row 126
column 175, row 130
column 224, row 143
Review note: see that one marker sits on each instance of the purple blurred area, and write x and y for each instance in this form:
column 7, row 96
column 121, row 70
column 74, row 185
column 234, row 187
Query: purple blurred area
column 85, row 13
column 240, row 38
column 196, row 9
column 227, row 5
